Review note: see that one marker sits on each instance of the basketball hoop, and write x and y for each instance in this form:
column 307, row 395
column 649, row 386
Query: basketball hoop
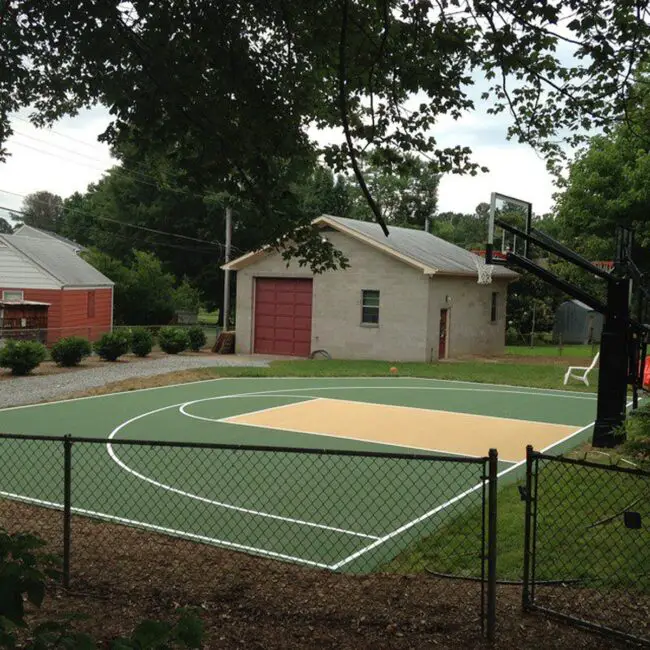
column 483, row 271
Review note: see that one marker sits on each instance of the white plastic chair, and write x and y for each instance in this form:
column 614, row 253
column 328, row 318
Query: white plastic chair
column 584, row 377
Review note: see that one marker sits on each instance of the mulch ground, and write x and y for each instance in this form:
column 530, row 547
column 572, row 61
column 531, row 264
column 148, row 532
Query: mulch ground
column 120, row 576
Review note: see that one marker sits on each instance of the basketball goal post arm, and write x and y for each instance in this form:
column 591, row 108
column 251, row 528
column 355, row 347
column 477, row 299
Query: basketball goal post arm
column 550, row 245
column 623, row 340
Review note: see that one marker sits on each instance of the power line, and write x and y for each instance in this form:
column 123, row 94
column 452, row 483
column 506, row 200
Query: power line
column 135, row 175
column 63, row 135
column 57, row 146
column 217, row 244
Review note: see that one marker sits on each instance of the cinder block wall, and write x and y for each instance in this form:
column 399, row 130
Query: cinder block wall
column 336, row 316
column 470, row 328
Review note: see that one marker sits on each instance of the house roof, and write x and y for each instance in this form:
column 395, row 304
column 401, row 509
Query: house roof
column 57, row 259
column 581, row 305
column 417, row 248
column 25, row 230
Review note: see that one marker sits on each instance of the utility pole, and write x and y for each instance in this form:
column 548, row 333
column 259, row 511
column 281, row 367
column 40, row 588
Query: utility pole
column 226, row 278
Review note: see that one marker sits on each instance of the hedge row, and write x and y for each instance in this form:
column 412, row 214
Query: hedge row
column 21, row 357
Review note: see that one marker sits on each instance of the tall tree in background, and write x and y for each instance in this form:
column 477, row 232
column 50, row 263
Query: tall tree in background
column 609, row 185
column 465, row 230
column 233, row 87
column 406, row 190
column 43, row 210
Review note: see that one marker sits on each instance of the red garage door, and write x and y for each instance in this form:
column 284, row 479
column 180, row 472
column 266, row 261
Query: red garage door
column 283, row 316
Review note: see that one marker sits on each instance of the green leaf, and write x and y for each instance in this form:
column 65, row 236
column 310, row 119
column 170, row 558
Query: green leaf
column 36, row 593
column 149, row 634
column 189, row 629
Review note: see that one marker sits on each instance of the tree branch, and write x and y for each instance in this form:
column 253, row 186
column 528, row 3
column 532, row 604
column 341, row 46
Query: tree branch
column 343, row 107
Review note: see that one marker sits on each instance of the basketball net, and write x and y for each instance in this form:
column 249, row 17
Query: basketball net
column 483, row 270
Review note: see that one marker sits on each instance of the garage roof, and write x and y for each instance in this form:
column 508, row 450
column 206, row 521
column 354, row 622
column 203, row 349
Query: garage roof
column 414, row 247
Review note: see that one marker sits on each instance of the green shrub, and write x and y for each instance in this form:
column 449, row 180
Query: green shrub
column 22, row 356
column 141, row 342
column 112, row 345
column 197, row 338
column 70, row 351
column 173, row 340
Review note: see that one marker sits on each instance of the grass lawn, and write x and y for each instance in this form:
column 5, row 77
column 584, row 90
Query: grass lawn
column 574, row 351
column 209, row 317
column 570, row 542
column 515, row 374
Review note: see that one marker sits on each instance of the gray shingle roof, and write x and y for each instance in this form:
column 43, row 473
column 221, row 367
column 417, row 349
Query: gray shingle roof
column 59, row 260
column 421, row 246
column 38, row 233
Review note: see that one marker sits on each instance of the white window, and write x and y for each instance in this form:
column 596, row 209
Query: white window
column 370, row 307
column 12, row 295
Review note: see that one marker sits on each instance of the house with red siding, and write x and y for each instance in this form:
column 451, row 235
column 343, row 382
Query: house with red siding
column 45, row 269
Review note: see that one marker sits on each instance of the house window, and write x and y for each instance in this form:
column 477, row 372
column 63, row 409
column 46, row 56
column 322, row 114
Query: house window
column 13, row 296
column 91, row 304
column 370, row 307
column 493, row 307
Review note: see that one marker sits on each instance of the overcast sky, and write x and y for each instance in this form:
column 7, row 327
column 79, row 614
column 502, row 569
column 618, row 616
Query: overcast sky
column 68, row 157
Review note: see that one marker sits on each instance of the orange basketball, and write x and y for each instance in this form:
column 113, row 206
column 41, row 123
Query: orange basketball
column 393, row 370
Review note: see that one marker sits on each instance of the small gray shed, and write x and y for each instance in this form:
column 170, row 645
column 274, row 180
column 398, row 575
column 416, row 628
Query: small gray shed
column 576, row 322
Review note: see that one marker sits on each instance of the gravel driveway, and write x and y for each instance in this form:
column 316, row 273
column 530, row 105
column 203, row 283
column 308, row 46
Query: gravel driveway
column 27, row 390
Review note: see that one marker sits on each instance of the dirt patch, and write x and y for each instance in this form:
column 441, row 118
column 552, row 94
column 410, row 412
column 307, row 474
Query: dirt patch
column 121, row 575
column 137, row 383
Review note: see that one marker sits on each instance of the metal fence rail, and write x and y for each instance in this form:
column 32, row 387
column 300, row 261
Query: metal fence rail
column 587, row 566
column 91, row 500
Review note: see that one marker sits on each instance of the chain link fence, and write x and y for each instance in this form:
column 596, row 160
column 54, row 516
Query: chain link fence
column 106, row 507
column 588, row 565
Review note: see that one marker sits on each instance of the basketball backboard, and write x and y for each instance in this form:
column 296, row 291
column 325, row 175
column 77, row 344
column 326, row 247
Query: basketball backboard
column 509, row 219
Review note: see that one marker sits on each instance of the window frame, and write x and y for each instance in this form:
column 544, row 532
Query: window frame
column 365, row 308
column 5, row 292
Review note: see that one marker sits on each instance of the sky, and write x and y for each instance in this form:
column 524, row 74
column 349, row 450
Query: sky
column 67, row 157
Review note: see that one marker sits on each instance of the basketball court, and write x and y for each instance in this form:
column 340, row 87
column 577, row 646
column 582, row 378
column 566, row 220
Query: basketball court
column 335, row 512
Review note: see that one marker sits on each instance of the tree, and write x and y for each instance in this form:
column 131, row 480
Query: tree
column 5, row 227
column 43, row 210
column 407, row 193
column 232, row 87
column 465, row 230
column 144, row 292
column 324, row 193
column 609, row 185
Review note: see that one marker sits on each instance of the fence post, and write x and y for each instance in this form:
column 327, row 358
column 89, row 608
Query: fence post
column 525, row 594
column 67, row 507
column 493, row 460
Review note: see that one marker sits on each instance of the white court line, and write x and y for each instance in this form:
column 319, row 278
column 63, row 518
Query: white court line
column 213, row 502
column 485, row 383
column 475, row 384
column 305, row 398
column 418, row 408
column 163, row 529
column 427, row 515
column 312, row 433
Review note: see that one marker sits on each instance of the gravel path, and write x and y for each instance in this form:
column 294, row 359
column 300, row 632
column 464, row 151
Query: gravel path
column 27, row 390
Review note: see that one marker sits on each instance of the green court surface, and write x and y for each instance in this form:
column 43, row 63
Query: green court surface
column 348, row 512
